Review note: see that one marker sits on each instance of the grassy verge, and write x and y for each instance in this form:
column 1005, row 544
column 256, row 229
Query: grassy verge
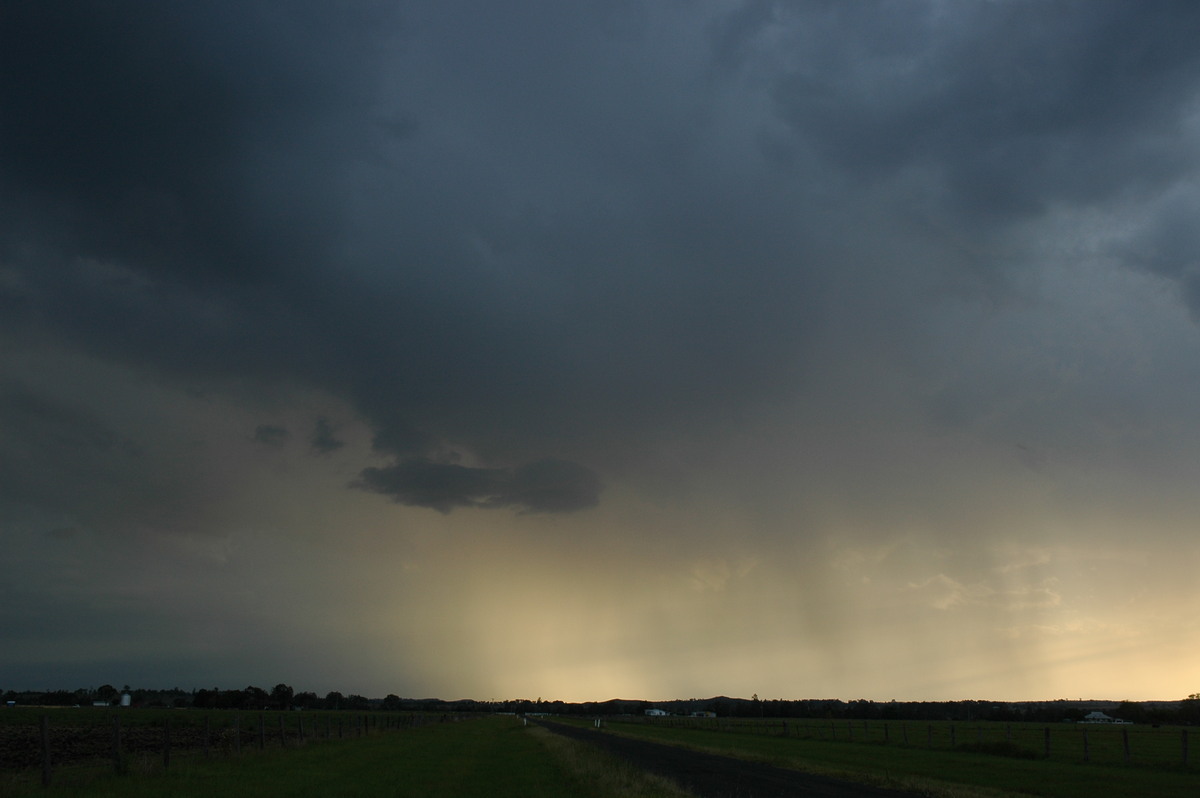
column 606, row 774
column 943, row 773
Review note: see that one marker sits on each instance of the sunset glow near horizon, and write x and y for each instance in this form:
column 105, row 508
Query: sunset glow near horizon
column 641, row 350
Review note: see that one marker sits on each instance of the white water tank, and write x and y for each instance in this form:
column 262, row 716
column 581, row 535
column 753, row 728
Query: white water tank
column 126, row 699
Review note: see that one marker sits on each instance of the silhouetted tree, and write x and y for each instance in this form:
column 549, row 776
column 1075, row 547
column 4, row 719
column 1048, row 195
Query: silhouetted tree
column 1189, row 709
column 256, row 698
column 306, row 700
column 281, row 696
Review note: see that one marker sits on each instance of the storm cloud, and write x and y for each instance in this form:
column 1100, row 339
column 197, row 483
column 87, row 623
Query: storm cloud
column 801, row 326
column 544, row 486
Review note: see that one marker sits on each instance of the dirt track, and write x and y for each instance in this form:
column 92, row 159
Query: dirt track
column 713, row 776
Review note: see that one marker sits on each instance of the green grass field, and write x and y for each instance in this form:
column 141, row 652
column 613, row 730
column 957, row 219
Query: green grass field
column 494, row 756
column 1069, row 742
column 1016, row 768
column 350, row 754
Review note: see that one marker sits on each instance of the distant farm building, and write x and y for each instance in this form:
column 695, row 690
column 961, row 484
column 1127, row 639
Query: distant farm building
column 704, row 713
column 1100, row 717
column 656, row 713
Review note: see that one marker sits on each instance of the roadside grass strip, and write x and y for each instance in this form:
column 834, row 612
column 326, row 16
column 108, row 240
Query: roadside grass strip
column 943, row 773
column 603, row 772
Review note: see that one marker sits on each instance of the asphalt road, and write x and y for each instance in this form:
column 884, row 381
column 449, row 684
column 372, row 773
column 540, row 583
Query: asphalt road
column 714, row 776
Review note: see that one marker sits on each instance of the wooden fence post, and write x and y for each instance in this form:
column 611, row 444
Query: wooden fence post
column 237, row 733
column 929, row 735
column 262, row 732
column 953, row 736
column 116, row 744
column 1125, row 743
column 282, row 733
column 207, row 737
column 886, row 735
column 45, row 751
column 1047, row 737
column 1087, row 754
column 1185, row 748
column 166, row 742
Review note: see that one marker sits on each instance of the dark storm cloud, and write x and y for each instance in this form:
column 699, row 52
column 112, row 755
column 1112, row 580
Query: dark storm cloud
column 64, row 464
column 53, row 424
column 1169, row 245
column 143, row 130
column 1013, row 105
column 322, row 440
column 441, row 486
column 163, row 162
column 270, row 435
column 552, row 486
column 548, row 228
column 543, row 486
column 787, row 284
column 57, row 454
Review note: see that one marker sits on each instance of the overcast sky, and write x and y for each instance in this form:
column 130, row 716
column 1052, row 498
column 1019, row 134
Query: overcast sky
column 609, row 349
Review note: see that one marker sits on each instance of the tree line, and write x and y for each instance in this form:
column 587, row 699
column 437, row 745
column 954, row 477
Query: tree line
column 283, row 697
column 1186, row 711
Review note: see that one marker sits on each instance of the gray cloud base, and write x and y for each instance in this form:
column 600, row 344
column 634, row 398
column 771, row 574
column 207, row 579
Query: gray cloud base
column 830, row 271
column 543, row 486
column 221, row 192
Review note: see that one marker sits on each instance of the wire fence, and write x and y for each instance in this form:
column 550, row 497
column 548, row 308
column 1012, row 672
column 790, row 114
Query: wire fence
column 1102, row 743
column 58, row 739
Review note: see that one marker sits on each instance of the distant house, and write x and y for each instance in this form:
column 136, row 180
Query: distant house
column 656, row 713
column 1096, row 717
column 1100, row 717
column 704, row 713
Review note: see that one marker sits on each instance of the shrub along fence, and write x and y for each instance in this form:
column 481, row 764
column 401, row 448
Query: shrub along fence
column 59, row 737
column 1106, row 743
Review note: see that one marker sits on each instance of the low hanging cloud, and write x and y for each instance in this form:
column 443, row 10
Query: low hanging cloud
column 323, row 441
column 543, row 486
column 270, row 435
